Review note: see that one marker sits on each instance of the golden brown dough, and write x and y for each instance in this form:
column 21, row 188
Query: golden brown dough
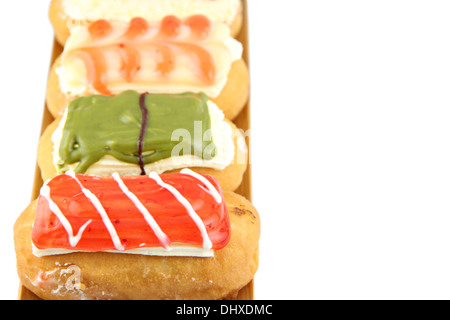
column 230, row 178
column 135, row 277
column 231, row 101
column 235, row 95
column 60, row 22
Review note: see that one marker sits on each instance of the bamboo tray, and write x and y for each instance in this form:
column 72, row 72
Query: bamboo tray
column 242, row 122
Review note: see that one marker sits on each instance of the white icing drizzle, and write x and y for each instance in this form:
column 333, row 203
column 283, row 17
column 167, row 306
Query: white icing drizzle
column 162, row 237
column 73, row 239
column 207, row 244
column 98, row 206
column 212, row 190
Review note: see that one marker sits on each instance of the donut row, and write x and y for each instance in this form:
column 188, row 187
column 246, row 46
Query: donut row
column 142, row 160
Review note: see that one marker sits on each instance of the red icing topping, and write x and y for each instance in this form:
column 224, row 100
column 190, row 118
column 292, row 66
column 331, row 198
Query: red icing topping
column 131, row 227
column 138, row 27
column 170, row 27
column 100, row 29
column 200, row 25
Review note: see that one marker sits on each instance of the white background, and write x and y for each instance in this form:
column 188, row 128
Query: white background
column 351, row 133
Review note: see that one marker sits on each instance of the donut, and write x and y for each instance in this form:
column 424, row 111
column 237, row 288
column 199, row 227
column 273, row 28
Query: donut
column 168, row 56
column 65, row 14
column 108, row 131
column 170, row 236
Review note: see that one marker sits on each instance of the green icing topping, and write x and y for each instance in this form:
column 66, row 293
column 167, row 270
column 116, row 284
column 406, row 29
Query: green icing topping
column 111, row 125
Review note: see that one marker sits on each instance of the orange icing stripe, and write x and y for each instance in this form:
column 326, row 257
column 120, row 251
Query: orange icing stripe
column 167, row 61
column 96, row 68
column 131, row 62
column 207, row 71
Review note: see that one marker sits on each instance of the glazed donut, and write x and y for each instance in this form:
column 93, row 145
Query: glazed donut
column 64, row 14
column 107, row 131
column 67, row 250
column 170, row 56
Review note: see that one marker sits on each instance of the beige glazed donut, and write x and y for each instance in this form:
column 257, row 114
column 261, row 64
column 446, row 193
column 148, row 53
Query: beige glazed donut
column 65, row 14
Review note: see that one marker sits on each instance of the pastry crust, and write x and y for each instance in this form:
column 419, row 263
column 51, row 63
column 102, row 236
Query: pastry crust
column 230, row 178
column 236, row 92
column 135, row 277
column 231, row 100
column 60, row 22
